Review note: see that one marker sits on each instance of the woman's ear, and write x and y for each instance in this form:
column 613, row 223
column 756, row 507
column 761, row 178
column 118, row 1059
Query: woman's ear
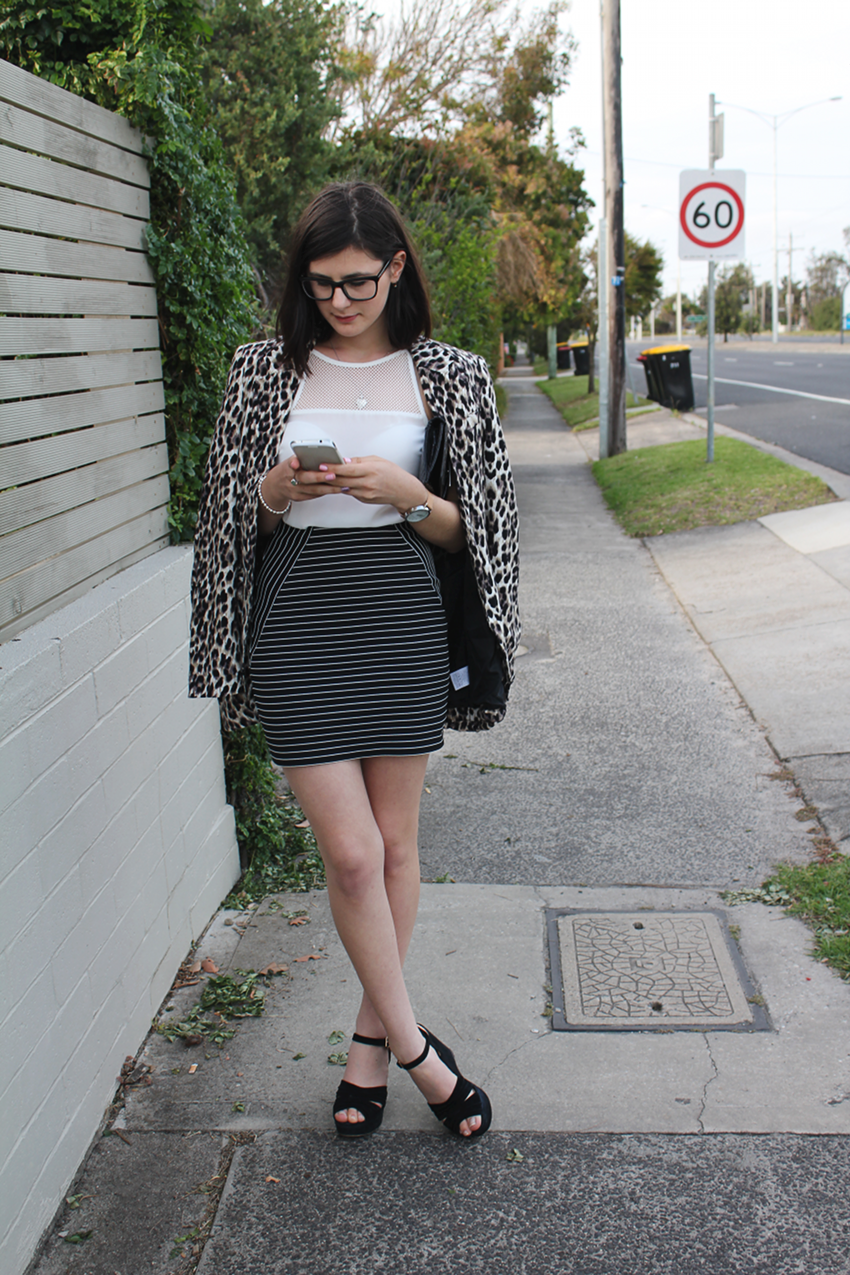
column 397, row 267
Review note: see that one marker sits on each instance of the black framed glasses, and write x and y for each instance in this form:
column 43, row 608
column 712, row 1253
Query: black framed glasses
column 361, row 287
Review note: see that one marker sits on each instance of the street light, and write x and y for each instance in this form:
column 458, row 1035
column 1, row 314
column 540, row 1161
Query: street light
column 775, row 121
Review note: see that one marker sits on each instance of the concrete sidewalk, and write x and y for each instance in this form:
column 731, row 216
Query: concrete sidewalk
column 629, row 777
column 771, row 599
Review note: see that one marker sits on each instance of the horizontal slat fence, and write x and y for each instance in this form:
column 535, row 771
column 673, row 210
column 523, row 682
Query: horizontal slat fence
column 83, row 462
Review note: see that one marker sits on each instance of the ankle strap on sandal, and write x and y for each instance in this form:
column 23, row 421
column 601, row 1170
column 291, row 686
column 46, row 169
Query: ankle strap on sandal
column 380, row 1041
column 409, row 1066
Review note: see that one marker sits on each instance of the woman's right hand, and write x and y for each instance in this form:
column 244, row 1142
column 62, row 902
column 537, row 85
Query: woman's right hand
column 279, row 487
column 288, row 483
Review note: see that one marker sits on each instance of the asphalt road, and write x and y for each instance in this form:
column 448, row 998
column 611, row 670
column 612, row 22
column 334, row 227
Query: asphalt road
column 795, row 397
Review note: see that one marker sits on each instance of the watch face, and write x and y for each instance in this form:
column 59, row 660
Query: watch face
column 417, row 513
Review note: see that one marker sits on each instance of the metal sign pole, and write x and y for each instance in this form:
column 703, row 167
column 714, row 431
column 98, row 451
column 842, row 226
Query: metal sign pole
column 709, row 455
column 715, row 151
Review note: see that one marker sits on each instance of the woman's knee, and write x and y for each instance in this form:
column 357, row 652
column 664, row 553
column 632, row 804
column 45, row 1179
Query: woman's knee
column 355, row 864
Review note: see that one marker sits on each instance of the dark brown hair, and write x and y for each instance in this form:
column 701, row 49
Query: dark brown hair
column 350, row 215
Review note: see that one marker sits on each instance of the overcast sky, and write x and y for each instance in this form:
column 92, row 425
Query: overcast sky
column 770, row 55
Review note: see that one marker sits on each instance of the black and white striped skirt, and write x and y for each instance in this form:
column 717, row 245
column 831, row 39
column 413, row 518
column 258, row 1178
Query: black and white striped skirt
column 348, row 645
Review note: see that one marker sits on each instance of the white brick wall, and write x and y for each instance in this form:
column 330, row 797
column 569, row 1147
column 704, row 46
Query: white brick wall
column 117, row 847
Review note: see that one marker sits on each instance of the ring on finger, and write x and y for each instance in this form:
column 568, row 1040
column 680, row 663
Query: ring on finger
column 293, row 482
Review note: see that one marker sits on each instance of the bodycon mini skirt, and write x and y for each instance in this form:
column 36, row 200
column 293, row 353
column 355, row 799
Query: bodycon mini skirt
column 348, row 652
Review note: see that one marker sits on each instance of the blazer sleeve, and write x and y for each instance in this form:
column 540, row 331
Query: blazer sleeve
column 221, row 576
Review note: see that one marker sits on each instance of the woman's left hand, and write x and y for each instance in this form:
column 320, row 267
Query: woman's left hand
column 376, row 481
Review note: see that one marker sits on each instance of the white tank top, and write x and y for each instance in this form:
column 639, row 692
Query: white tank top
column 367, row 409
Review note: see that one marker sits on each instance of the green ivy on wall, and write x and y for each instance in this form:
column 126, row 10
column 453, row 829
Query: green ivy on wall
column 139, row 58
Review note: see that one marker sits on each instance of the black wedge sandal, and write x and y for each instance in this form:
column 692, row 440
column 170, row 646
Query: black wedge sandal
column 467, row 1100
column 369, row 1102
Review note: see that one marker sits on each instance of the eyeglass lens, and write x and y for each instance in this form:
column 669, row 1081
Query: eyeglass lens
column 356, row 289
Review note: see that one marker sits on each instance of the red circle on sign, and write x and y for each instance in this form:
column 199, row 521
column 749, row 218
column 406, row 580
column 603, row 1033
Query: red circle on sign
column 720, row 243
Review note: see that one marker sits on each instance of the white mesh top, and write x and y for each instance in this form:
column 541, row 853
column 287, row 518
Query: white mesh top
column 367, row 409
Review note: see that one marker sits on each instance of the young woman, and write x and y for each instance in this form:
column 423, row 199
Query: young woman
column 315, row 602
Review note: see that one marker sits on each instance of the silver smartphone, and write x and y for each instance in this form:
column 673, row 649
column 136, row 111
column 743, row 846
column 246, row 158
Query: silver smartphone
column 316, row 452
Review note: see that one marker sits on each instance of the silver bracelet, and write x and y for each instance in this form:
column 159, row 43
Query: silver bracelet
column 278, row 513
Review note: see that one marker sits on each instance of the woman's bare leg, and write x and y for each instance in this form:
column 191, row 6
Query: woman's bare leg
column 364, row 818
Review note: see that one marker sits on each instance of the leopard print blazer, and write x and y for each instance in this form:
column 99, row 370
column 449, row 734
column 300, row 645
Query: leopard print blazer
column 257, row 403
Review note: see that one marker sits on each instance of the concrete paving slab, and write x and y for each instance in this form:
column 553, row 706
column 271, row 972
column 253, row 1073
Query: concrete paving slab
column 478, row 973
column 836, row 562
column 137, row 1200
column 741, row 579
column 795, row 682
column 776, row 622
column 524, row 1204
column 812, row 530
column 825, row 781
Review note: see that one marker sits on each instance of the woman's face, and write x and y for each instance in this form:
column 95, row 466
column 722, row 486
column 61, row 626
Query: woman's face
column 354, row 317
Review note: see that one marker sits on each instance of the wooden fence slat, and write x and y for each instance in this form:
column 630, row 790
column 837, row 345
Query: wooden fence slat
column 48, row 137
column 70, row 336
column 49, row 177
column 56, row 581
column 35, row 417
column 25, row 89
column 35, row 294
column 74, row 591
column 73, row 260
column 20, row 210
column 23, row 506
column 22, row 549
column 29, row 378
column 25, row 463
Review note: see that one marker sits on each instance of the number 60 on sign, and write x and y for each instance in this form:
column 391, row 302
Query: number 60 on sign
column 711, row 214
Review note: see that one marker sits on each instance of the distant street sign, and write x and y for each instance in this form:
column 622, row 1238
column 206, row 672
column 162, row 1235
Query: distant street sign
column 711, row 214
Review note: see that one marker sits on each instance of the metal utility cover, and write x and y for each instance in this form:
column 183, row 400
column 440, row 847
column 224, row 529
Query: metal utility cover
column 648, row 971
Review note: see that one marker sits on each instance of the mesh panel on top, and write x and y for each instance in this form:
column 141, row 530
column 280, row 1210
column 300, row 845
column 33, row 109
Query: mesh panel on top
column 384, row 385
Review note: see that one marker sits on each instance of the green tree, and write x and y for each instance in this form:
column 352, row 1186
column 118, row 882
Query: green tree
column 644, row 264
column 139, row 58
column 447, row 206
column 270, row 74
column 468, row 80
column 731, row 293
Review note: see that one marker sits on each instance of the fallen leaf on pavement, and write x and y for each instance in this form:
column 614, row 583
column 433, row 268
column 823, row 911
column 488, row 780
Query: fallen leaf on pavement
column 314, row 956
column 274, row 967
column 209, row 966
column 299, row 920
column 193, row 1069
column 271, row 1179
column 195, row 967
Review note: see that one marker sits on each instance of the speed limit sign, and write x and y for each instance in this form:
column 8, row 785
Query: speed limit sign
column 711, row 214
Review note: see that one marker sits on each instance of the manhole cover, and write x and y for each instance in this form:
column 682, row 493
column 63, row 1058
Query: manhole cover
column 648, row 971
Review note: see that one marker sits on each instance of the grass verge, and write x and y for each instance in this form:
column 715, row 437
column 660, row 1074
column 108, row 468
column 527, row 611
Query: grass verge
column 671, row 487
column 579, row 409
column 819, row 893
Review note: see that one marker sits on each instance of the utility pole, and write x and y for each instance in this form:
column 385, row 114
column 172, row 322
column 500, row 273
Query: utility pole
column 602, row 306
column 789, row 295
column 551, row 330
column 614, row 216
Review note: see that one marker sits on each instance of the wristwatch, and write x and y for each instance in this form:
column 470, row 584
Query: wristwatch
column 417, row 513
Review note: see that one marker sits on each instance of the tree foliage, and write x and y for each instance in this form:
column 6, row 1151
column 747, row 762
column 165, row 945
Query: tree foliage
column 471, row 82
column 139, row 58
column 644, row 264
column 731, row 294
column 270, row 72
